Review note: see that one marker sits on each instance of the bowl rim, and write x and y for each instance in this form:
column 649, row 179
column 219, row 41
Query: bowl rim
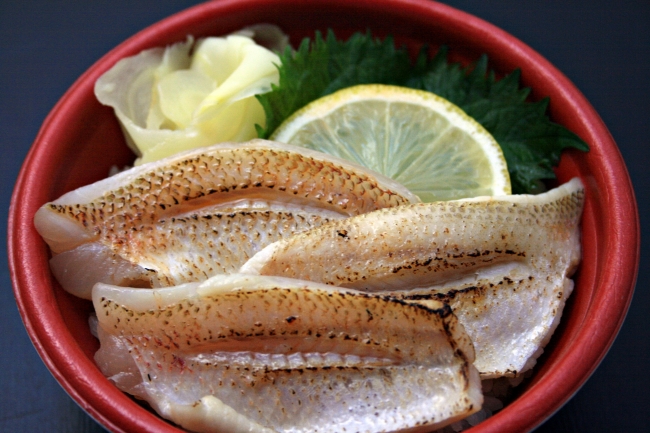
column 58, row 349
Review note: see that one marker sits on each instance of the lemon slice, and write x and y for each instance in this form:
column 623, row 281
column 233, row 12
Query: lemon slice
column 417, row 138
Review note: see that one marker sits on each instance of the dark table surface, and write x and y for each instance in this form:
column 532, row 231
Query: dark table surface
column 602, row 46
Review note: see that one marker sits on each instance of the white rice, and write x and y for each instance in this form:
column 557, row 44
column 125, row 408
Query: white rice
column 496, row 393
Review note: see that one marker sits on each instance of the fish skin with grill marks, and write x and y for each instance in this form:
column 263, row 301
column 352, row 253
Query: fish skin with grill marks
column 270, row 354
column 503, row 264
column 161, row 224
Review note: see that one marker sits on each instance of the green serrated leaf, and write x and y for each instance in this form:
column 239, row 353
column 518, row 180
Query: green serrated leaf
column 531, row 143
column 325, row 65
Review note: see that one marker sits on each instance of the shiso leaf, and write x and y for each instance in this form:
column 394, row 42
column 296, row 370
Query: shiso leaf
column 531, row 142
column 327, row 64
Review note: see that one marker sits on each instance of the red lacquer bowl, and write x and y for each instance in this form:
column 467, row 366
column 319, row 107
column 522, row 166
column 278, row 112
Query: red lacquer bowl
column 81, row 139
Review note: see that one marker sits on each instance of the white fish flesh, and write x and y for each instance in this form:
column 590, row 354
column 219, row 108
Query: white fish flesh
column 201, row 213
column 269, row 354
column 503, row 263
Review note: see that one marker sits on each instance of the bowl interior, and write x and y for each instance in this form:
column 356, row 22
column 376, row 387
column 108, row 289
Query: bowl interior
column 81, row 139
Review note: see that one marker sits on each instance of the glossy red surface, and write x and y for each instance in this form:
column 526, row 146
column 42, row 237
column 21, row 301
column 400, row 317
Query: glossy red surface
column 80, row 140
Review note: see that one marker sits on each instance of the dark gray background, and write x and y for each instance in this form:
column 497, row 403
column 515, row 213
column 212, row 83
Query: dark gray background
column 602, row 46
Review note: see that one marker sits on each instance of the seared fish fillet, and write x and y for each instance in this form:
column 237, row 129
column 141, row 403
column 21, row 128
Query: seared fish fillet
column 503, row 263
column 266, row 354
column 164, row 223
